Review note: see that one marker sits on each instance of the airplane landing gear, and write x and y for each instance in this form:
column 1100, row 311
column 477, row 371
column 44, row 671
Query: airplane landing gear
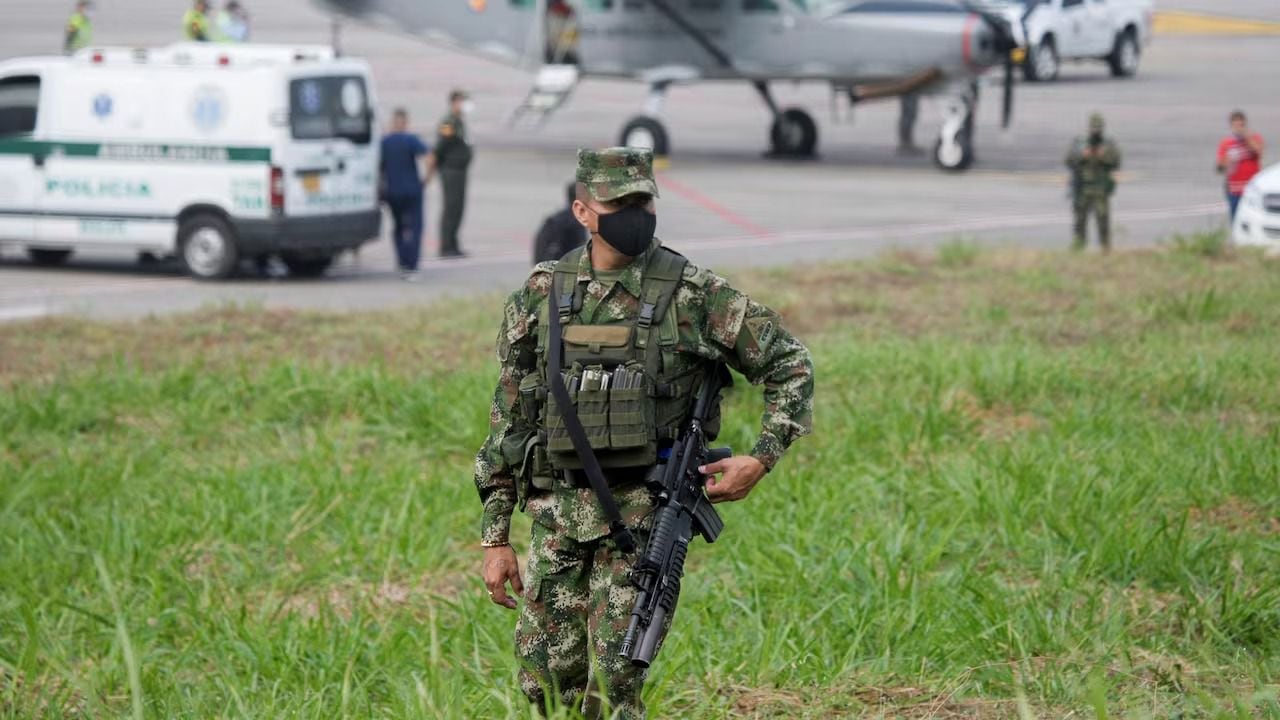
column 794, row 134
column 954, row 149
column 647, row 131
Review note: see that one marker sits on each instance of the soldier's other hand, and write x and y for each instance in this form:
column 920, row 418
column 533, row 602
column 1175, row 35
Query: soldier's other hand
column 740, row 475
column 501, row 566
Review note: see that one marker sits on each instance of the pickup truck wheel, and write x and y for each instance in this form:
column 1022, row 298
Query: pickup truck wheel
column 1124, row 58
column 208, row 247
column 1043, row 65
column 48, row 257
column 307, row 265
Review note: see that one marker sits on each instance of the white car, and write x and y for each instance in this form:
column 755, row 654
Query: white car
column 213, row 153
column 1257, row 220
column 1053, row 31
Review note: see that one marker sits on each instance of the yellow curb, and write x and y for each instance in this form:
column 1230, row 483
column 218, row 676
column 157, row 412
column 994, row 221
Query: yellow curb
column 661, row 162
column 1172, row 22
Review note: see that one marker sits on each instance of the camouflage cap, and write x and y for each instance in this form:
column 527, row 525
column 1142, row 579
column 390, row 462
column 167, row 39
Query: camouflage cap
column 1096, row 123
column 616, row 172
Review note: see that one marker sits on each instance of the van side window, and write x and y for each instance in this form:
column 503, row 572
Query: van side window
column 19, row 101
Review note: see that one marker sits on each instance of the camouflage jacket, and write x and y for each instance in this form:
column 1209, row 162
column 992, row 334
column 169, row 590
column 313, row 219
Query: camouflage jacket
column 714, row 321
column 1092, row 175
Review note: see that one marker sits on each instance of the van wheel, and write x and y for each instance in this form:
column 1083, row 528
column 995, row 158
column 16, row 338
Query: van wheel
column 208, row 247
column 307, row 266
column 48, row 258
column 1043, row 63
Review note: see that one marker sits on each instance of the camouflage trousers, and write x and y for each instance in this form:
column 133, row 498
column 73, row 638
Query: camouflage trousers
column 1100, row 207
column 577, row 606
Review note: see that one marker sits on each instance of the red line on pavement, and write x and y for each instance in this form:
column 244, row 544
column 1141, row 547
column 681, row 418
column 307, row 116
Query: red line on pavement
column 706, row 203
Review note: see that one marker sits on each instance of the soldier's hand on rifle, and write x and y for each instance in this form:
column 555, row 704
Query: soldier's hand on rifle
column 501, row 566
column 741, row 473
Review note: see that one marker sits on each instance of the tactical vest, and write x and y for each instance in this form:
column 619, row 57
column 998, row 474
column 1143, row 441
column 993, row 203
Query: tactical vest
column 630, row 400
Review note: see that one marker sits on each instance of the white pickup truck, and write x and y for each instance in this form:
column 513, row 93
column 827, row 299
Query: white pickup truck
column 1052, row 31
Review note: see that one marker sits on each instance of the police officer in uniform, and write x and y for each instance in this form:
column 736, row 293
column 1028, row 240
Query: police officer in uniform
column 452, row 157
column 1093, row 159
column 636, row 317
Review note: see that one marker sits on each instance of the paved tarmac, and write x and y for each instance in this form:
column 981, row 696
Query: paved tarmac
column 723, row 203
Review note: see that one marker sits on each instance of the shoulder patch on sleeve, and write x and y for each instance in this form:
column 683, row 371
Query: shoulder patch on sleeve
column 763, row 330
column 696, row 276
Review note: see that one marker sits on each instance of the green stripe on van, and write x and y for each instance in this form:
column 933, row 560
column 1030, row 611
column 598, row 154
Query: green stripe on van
column 137, row 152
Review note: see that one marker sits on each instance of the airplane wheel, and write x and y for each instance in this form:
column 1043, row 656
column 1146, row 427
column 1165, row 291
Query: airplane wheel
column 955, row 154
column 794, row 134
column 646, row 132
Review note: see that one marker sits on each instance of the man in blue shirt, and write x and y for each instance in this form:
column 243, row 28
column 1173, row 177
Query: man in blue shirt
column 402, row 190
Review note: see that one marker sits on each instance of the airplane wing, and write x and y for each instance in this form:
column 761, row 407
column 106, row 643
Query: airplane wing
column 506, row 30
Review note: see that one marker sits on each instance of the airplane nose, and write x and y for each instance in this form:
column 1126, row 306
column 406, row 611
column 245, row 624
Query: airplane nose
column 982, row 44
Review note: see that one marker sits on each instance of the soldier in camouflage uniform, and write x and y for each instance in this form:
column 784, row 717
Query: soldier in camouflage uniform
column 577, row 594
column 1092, row 161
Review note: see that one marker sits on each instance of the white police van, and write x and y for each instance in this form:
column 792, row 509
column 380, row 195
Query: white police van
column 207, row 152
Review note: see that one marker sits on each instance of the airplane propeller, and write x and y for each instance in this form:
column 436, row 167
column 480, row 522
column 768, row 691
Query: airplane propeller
column 1005, row 44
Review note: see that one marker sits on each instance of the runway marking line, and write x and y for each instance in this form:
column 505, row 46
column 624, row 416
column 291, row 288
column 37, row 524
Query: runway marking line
column 711, row 206
column 1177, row 22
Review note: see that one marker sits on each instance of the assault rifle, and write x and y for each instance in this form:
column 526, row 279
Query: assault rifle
column 683, row 510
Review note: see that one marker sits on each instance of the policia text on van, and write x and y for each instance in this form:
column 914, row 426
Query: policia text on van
column 211, row 153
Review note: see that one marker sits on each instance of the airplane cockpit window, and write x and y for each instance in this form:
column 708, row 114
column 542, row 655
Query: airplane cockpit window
column 760, row 6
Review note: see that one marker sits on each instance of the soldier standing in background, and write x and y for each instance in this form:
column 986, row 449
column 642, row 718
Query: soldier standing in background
column 671, row 321
column 1093, row 159
column 452, row 158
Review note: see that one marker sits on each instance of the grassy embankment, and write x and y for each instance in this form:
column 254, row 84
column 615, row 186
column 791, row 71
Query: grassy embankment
column 1042, row 485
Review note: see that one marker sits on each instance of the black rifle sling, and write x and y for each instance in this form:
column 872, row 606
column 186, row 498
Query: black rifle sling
column 620, row 533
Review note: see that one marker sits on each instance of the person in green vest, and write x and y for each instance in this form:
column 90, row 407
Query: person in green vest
column 195, row 23
column 79, row 29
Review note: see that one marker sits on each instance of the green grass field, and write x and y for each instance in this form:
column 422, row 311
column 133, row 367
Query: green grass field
column 1041, row 485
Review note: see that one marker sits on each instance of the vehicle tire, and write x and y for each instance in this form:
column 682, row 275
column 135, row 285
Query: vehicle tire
column 48, row 257
column 794, row 134
column 307, row 265
column 1124, row 59
column 955, row 156
column 1043, row 64
column 208, row 247
column 645, row 132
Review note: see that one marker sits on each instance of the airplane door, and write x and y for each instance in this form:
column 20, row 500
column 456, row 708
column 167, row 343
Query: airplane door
column 21, row 158
column 1073, row 30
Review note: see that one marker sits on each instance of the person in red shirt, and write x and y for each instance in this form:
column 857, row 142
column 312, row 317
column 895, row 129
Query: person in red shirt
column 1239, row 158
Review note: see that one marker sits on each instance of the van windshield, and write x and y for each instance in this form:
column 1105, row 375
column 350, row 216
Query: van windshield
column 328, row 108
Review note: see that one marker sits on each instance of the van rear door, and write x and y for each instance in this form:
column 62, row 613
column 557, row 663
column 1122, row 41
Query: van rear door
column 330, row 161
column 21, row 157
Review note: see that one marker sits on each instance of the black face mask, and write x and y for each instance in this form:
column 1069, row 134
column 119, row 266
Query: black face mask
column 1095, row 138
column 629, row 230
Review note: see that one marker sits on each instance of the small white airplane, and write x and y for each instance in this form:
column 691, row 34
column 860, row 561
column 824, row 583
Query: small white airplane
column 865, row 49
